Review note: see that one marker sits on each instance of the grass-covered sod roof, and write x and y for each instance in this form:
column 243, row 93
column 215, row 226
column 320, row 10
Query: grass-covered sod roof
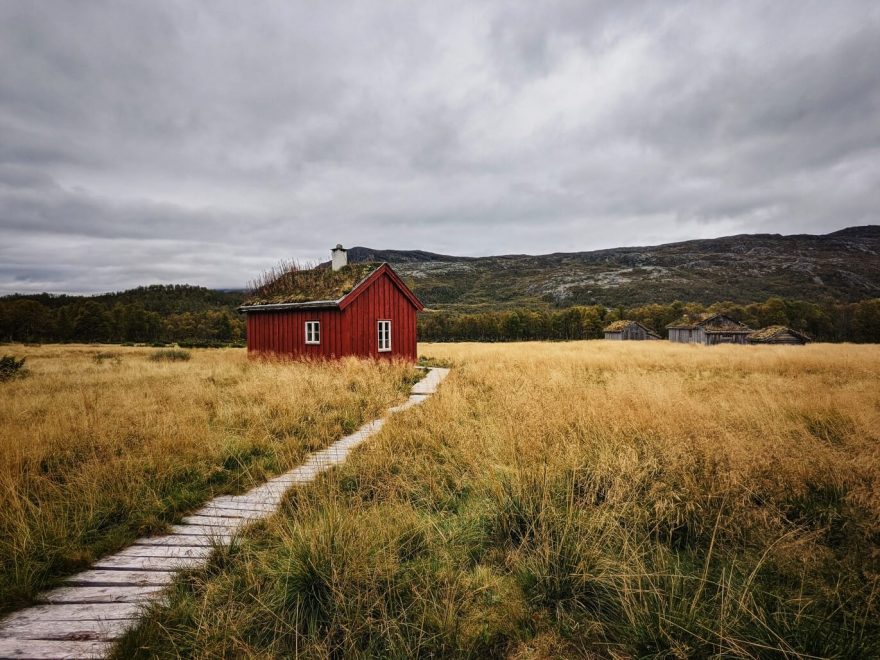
column 617, row 326
column 768, row 333
column 290, row 283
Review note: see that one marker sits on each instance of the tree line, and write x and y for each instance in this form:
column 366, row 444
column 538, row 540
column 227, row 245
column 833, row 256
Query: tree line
column 157, row 314
column 835, row 322
column 197, row 316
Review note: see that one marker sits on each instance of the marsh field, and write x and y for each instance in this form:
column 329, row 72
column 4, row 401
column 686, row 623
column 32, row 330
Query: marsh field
column 102, row 444
column 578, row 499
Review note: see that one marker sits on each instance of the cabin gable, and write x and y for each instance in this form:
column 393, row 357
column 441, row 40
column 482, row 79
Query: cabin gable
column 629, row 331
column 382, row 300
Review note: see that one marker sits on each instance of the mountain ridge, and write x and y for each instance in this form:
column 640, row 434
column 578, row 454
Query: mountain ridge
column 362, row 253
column 842, row 265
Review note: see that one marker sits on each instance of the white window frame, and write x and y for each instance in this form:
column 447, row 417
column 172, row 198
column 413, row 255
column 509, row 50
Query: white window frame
column 313, row 332
column 384, row 347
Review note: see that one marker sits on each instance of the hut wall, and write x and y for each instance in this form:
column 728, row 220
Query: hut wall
column 636, row 333
column 381, row 301
column 725, row 338
column 786, row 338
column 283, row 333
column 614, row 336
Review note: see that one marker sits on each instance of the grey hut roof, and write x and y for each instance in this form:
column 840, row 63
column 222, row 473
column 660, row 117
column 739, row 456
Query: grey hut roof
column 688, row 321
column 772, row 331
column 716, row 322
column 620, row 326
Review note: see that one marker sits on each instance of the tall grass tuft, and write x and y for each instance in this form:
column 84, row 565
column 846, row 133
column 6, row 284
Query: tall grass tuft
column 170, row 355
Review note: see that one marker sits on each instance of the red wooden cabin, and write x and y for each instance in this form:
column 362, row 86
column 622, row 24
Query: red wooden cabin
column 358, row 309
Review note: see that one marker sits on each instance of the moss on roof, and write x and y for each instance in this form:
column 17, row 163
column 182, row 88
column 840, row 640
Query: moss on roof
column 617, row 326
column 293, row 285
column 765, row 334
column 690, row 320
column 620, row 326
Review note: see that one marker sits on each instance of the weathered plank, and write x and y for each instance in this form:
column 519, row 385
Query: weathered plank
column 292, row 479
column 102, row 578
column 301, row 471
column 429, row 384
column 270, row 494
column 214, row 521
column 241, row 502
column 72, row 612
column 127, row 563
column 184, row 540
column 221, row 511
column 215, row 511
column 325, row 459
column 114, row 594
column 99, row 630
column 165, row 551
column 267, row 492
column 53, row 650
column 212, row 532
column 413, row 400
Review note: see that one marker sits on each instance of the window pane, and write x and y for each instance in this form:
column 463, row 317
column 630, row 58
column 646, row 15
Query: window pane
column 313, row 332
column 384, row 332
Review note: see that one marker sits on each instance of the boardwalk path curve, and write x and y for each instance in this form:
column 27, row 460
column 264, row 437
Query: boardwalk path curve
column 98, row 606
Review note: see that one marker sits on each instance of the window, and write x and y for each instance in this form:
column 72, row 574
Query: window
column 384, row 335
column 313, row 332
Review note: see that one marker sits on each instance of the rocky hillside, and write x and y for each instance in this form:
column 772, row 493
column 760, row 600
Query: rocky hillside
column 843, row 266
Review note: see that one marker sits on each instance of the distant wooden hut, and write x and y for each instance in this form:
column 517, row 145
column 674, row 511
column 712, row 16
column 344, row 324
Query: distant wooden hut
column 709, row 329
column 778, row 334
column 629, row 331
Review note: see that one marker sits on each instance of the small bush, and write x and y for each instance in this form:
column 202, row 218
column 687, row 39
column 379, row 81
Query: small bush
column 170, row 355
column 11, row 368
column 102, row 356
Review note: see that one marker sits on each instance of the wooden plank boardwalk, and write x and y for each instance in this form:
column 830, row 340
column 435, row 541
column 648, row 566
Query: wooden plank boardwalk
column 82, row 619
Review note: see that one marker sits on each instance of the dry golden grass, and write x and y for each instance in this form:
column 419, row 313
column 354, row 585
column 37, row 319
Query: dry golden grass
column 589, row 499
column 100, row 444
column 775, row 417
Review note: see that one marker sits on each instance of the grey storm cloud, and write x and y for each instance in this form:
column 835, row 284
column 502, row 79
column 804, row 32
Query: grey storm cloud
column 202, row 142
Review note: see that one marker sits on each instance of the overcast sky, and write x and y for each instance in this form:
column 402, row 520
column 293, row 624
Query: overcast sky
column 145, row 142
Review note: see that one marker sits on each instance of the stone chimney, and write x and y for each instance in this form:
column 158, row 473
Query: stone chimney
column 340, row 256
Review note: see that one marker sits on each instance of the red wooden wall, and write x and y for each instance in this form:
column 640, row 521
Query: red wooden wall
column 284, row 333
column 351, row 331
column 382, row 300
